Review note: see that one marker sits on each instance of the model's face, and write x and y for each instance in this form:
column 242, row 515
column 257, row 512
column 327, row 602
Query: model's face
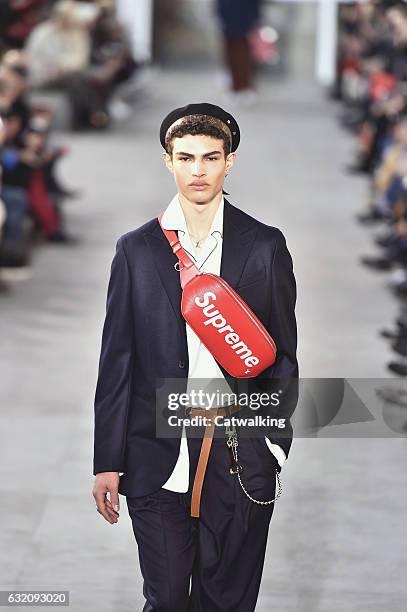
column 199, row 167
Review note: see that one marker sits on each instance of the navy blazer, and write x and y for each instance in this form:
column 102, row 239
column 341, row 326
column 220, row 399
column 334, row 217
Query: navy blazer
column 144, row 340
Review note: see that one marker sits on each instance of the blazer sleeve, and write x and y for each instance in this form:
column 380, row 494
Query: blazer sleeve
column 284, row 372
column 282, row 377
column 283, row 324
column 113, row 386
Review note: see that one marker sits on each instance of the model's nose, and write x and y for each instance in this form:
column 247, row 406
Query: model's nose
column 198, row 169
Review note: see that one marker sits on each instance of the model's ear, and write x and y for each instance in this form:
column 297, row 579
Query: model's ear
column 230, row 160
column 168, row 161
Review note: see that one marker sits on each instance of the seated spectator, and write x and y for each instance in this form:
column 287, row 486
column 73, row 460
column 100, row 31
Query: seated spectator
column 13, row 83
column 44, row 190
column 3, row 286
column 380, row 105
column 110, row 70
column 83, row 50
column 60, row 46
column 397, row 19
column 387, row 181
column 15, row 176
column 27, row 162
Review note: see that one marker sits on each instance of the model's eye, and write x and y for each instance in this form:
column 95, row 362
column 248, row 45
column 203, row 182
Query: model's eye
column 184, row 158
column 213, row 158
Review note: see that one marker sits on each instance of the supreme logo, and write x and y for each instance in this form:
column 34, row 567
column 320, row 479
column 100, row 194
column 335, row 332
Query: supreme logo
column 215, row 318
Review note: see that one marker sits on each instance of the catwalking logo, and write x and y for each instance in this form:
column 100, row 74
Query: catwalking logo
column 232, row 421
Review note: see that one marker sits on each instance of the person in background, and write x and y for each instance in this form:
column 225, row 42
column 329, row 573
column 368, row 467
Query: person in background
column 27, row 162
column 44, row 190
column 14, row 254
column 238, row 18
column 3, row 214
column 60, row 46
column 13, row 83
column 110, row 65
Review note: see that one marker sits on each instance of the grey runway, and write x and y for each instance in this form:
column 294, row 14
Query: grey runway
column 337, row 535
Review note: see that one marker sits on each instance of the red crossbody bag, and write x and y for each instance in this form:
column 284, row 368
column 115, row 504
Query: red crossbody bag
column 221, row 318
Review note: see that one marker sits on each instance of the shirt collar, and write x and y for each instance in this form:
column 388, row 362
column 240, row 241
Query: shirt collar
column 174, row 219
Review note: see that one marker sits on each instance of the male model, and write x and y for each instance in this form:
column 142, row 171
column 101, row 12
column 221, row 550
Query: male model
column 201, row 536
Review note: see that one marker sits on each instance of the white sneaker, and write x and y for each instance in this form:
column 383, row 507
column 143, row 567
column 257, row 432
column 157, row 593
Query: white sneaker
column 119, row 110
column 396, row 277
column 241, row 99
column 20, row 273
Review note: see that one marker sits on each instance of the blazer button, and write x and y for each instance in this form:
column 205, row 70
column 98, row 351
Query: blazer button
column 181, row 364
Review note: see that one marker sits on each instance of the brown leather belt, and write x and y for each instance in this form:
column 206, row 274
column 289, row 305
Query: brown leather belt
column 210, row 414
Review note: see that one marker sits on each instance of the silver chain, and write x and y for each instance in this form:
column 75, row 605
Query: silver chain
column 233, row 444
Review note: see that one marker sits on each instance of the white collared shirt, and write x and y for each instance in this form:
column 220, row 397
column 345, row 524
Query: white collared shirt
column 202, row 364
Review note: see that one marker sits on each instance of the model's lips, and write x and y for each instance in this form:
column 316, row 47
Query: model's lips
column 199, row 185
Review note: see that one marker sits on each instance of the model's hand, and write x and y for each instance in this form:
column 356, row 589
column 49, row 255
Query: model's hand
column 107, row 482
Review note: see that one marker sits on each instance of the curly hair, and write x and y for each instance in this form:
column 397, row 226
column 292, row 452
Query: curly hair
column 199, row 125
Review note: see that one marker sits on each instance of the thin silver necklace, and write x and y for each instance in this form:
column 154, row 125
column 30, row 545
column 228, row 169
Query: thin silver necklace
column 209, row 254
column 197, row 245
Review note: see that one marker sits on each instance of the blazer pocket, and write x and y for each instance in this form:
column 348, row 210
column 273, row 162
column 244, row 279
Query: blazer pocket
column 253, row 280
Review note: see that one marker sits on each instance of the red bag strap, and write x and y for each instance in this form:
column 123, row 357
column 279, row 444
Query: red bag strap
column 187, row 268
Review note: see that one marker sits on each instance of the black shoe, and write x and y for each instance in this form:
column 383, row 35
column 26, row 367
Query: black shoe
column 12, row 259
column 386, row 240
column 398, row 368
column 4, row 287
column 377, row 263
column 372, row 216
column 401, row 321
column 14, row 267
column 400, row 347
column 401, row 289
column 389, row 335
column 358, row 169
column 60, row 237
column 66, row 194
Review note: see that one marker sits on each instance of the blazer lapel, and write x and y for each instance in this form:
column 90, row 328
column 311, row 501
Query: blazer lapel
column 238, row 235
column 239, row 232
column 165, row 261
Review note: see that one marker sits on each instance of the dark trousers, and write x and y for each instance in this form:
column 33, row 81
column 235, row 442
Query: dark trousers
column 16, row 203
column 223, row 550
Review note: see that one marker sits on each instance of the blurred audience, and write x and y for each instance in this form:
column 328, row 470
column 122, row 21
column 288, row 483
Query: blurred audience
column 83, row 50
column 372, row 85
column 78, row 48
column 60, row 46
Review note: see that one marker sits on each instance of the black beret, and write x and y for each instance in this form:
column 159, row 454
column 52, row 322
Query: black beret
column 203, row 108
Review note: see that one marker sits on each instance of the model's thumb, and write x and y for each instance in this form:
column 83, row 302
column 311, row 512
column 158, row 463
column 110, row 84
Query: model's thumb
column 115, row 501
